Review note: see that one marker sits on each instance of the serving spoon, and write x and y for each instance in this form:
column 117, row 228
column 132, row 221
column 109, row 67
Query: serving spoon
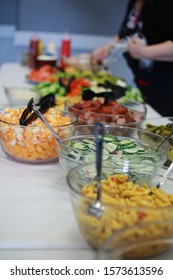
column 96, row 208
column 166, row 138
column 165, row 176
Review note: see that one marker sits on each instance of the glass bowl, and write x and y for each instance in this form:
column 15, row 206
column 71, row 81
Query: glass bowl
column 42, row 60
column 82, row 62
column 18, row 96
column 126, row 199
column 33, row 143
column 143, row 144
column 148, row 240
column 131, row 113
column 162, row 126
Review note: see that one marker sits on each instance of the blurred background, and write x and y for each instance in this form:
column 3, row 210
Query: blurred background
column 90, row 23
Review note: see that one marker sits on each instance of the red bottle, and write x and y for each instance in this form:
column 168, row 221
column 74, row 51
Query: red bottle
column 65, row 49
column 34, row 51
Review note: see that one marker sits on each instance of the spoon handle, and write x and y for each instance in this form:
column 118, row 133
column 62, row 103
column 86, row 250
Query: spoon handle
column 165, row 176
column 99, row 134
column 166, row 138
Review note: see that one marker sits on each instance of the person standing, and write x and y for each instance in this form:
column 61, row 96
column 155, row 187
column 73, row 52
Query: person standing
column 148, row 25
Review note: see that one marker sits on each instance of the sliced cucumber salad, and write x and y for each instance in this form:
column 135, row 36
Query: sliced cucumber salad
column 114, row 148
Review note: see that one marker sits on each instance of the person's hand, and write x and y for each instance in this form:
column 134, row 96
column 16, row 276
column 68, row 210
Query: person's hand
column 101, row 53
column 136, row 48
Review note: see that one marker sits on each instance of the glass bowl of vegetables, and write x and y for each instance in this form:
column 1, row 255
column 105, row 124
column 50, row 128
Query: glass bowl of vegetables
column 162, row 126
column 121, row 144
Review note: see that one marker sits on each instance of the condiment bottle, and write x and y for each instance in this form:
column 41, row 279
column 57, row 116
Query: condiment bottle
column 65, row 49
column 35, row 49
column 51, row 49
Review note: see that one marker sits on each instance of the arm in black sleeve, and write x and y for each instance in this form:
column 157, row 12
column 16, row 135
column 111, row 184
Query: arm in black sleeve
column 122, row 27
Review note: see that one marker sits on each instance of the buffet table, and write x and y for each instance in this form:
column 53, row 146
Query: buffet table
column 36, row 216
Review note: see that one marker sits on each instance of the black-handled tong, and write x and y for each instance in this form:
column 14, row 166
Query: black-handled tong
column 107, row 95
column 45, row 103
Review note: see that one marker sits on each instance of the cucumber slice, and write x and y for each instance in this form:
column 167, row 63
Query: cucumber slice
column 130, row 146
column 111, row 147
column 90, row 145
column 87, row 141
column 71, row 143
column 79, row 146
column 141, row 151
column 131, row 151
column 74, row 154
column 105, row 154
column 89, row 157
column 110, row 138
column 127, row 142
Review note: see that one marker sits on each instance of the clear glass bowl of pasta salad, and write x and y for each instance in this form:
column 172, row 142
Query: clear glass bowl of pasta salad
column 33, row 143
column 148, row 240
column 128, row 202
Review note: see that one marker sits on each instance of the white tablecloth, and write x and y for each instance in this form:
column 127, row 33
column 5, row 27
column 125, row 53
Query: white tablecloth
column 36, row 216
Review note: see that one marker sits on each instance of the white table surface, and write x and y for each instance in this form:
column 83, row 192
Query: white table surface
column 36, row 216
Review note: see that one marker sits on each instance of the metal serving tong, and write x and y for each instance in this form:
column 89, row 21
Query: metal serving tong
column 45, row 103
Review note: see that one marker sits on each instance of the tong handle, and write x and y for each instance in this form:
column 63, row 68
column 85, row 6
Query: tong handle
column 45, row 104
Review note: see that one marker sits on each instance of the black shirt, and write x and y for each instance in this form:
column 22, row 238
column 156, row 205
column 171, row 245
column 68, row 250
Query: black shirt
column 155, row 22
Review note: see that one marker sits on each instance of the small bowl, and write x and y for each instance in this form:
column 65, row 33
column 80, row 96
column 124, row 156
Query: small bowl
column 147, row 140
column 148, row 240
column 45, row 60
column 162, row 126
column 20, row 96
column 33, row 143
column 82, row 62
column 126, row 204
column 134, row 116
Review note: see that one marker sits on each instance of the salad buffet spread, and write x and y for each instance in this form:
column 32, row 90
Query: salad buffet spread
column 70, row 82
column 102, row 94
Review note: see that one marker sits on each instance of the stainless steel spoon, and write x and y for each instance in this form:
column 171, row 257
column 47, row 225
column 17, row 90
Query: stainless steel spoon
column 96, row 208
column 47, row 124
column 166, row 138
column 165, row 176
